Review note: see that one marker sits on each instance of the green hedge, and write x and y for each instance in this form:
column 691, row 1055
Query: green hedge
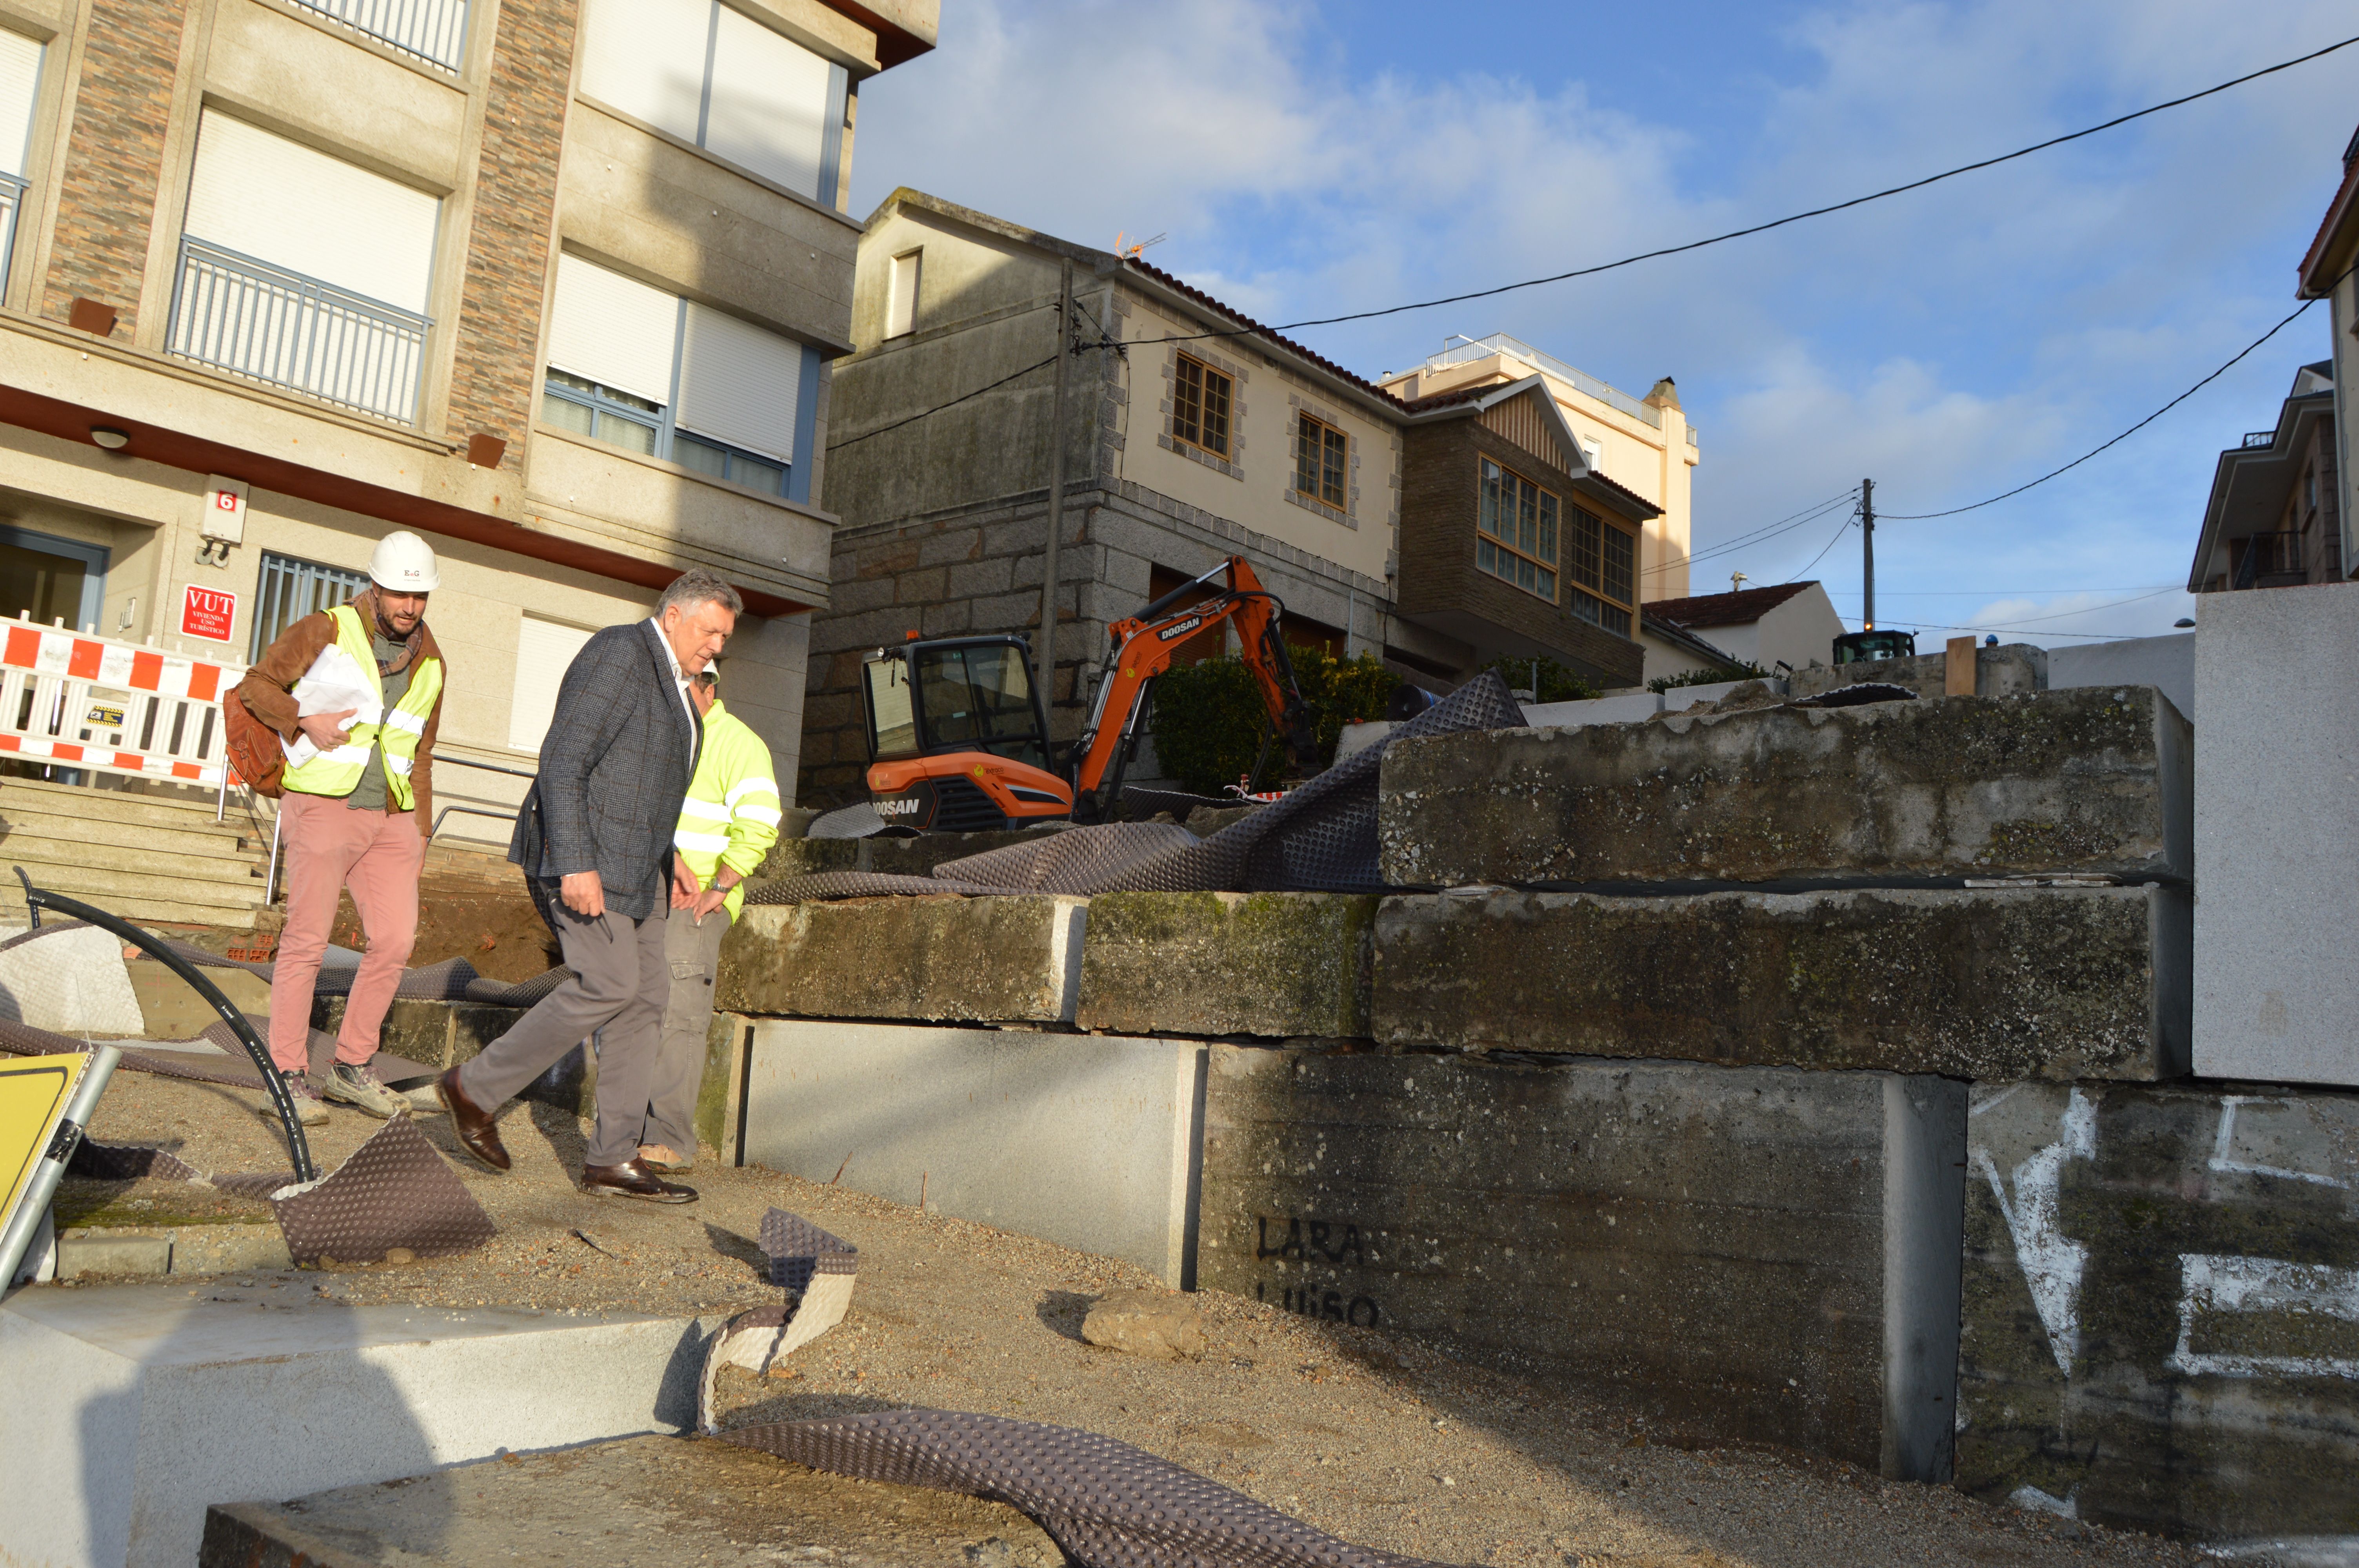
column 1744, row 669
column 1208, row 717
column 1557, row 684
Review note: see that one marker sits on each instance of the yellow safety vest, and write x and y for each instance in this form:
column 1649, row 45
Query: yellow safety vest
column 349, row 661
column 731, row 816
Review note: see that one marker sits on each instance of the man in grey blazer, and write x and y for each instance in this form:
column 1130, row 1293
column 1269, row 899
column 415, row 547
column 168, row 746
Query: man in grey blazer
column 595, row 840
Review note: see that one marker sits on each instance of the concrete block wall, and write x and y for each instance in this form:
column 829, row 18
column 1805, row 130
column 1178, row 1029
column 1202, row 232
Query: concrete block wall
column 2276, row 834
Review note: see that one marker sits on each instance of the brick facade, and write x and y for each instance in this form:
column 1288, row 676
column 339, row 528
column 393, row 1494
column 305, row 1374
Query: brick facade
column 115, row 158
column 496, row 368
column 1438, row 500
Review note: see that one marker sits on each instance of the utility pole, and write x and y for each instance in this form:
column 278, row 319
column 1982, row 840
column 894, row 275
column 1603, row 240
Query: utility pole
column 1044, row 657
column 1867, row 550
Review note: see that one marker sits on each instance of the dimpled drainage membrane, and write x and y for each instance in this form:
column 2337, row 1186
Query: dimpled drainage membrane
column 1107, row 1504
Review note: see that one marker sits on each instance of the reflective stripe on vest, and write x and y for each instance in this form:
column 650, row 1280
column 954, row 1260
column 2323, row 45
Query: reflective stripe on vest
column 338, row 772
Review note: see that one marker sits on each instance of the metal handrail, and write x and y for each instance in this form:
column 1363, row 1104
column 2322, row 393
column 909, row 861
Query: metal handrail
column 244, row 315
column 1500, row 343
column 433, row 30
column 466, row 811
column 299, row 1148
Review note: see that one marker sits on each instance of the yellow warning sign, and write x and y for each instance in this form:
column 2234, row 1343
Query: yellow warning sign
column 33, row 1094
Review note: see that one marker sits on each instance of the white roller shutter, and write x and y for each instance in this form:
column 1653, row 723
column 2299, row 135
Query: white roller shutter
column 281, row 202
column 544, row 651
column 646, row 58
column 20, row 75
column 738, row 384
column 613, row 330
column 769, row 104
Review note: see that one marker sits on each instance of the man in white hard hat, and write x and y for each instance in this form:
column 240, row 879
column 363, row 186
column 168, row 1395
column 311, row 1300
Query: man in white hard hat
column 356, row 693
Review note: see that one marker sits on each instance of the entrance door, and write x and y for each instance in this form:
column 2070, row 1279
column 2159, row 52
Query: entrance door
column 49, row 579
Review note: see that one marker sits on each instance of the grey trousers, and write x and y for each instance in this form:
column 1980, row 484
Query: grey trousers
column 620, row 983
column 693, row 952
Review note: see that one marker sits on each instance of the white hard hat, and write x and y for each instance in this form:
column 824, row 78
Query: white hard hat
column 403, row 563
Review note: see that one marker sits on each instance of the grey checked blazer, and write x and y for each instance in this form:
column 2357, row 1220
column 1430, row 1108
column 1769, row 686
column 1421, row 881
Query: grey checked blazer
column 614, row 770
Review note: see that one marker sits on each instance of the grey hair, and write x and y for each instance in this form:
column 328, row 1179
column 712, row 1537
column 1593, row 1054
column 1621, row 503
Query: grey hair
column 697, row 586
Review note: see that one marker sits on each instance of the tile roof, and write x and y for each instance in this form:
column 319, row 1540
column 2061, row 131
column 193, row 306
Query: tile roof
column 1725, row 609
column 1257, row 329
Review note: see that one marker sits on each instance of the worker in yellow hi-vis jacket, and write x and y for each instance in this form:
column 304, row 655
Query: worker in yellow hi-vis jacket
column 726, row 828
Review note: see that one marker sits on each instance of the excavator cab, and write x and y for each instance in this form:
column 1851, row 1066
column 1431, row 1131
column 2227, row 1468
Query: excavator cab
column 958, row 741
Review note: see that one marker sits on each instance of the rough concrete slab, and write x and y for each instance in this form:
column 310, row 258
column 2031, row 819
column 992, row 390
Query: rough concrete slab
column 2011, row 669
column 1087, row 1139
column 1987, row 983
column 84, row 1250
column 2090, row 782
column 657, row 1501
column 173, row 1010
column 134, row 1407
column 996, row 959
column 1272, row 963
column 2162, row 1307
column 1760, row 1253
column 2277, row 771
column 438, row 1034
column 1680, row 698
column 1626, row 708
column 2166, row 663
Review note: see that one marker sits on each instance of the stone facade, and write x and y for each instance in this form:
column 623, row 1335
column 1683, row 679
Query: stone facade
column 495, row 368
column 115, row 158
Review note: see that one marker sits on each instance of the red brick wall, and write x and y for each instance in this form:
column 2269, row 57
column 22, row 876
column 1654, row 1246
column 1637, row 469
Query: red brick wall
column 513, row 227
column 115, row 158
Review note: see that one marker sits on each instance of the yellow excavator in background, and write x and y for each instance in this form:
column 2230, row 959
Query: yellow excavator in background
column 958, row 738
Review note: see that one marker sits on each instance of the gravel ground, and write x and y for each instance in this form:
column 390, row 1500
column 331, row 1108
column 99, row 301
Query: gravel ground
column 1360, row 1432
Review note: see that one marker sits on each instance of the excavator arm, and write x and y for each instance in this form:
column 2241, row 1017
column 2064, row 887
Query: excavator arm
column 1143, row 647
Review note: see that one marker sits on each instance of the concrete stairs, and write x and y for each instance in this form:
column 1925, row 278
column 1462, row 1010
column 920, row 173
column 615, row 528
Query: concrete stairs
column 145, row 857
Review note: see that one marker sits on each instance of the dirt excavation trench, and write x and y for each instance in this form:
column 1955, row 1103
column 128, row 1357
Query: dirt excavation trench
column 1379, row 1441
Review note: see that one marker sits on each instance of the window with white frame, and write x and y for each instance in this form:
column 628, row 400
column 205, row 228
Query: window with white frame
column 636, row 367
column 545, row 650
column 901, row 294
column 20, row 78
column 303, row 270
column 712, row 75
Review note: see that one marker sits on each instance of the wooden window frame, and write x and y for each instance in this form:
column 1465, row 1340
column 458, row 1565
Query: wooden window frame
column 1601, row 572
column 1535, row 540
column 1331, row 443
column 1193, row 416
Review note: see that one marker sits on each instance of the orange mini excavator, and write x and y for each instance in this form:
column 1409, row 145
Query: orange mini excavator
column 958, row 738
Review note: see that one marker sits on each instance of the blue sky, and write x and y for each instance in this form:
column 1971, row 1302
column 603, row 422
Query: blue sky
column 1320, row 157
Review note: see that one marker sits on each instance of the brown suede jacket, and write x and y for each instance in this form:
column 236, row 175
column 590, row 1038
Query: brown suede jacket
column 268, row 690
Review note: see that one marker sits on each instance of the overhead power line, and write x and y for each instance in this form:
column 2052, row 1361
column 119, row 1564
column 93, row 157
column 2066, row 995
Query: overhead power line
column 1840, row 531
column 1767, row 531
column 1820, row 212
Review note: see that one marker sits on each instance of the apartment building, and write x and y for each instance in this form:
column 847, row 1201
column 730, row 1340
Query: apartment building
column 2274, row 516
column 554, row 283
column 1193, row 433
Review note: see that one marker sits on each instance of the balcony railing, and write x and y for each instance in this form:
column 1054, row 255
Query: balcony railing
column 12, row 196
column 1516, row 348
column 2259, row 438
column 2269, row 556
column 280, row 326
column 430, row 29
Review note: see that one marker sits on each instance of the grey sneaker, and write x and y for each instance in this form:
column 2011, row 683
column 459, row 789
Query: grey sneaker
column 309, row 1110
column 360, row 1089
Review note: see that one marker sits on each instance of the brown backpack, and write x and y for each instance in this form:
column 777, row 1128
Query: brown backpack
column 259, row 760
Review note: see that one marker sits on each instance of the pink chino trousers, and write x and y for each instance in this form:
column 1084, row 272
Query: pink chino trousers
column 331, row 847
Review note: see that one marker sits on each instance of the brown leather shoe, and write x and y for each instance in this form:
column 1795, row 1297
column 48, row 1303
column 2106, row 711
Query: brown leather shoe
column 632, row 1180
column 477, row 1129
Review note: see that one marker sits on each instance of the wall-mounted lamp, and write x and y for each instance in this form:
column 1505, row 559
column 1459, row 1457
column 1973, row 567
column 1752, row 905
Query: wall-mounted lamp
column 2183, row 623
column 107, row 435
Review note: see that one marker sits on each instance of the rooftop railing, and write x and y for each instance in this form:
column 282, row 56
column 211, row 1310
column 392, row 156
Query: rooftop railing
column 263, row 321
column 433, row 30
column 2259, row 439
column 1500, row 343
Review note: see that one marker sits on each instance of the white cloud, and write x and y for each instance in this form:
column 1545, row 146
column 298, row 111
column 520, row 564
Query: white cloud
column 1953, row 341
